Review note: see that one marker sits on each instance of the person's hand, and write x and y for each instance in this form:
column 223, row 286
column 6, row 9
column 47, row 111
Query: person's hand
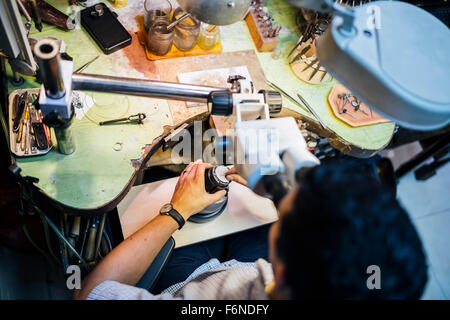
column 232, row 175
column 190, row 196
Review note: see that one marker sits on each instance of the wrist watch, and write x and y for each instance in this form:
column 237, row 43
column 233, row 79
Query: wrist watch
column 168, row 210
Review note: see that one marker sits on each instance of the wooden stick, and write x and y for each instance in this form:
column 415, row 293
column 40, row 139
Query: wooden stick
column 51, row 15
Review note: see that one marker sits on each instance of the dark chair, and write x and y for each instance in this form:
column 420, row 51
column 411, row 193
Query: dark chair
column 153, row 272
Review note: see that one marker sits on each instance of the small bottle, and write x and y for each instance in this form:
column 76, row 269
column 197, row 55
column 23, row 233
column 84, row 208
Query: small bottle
column 120, row 3
column 186, row 32
column 208, row 37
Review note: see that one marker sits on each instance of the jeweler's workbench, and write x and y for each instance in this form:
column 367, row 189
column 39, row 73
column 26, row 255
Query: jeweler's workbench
column 107, row 158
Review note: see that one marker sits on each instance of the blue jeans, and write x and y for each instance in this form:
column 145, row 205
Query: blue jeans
column 245, row 246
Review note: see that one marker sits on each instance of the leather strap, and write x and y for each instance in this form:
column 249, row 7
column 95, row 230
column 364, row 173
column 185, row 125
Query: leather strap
column 178, row 217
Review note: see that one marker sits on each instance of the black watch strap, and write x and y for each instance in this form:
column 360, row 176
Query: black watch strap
column 178, row 217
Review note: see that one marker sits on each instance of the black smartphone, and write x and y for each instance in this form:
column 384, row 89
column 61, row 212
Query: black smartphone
column 104, row 28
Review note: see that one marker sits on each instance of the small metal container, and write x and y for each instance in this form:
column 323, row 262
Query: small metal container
column 159, row 38
column 186, row 32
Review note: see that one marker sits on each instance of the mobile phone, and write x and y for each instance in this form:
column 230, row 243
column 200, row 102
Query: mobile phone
column 104, row 28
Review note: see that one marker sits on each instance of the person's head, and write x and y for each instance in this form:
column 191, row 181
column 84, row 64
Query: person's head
column 336, row 223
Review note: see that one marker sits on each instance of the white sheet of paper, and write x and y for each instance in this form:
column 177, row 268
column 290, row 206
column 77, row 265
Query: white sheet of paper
column 245, row 210
column 87, row 102
column 212, row 77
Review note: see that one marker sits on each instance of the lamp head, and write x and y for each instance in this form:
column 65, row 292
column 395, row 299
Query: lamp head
column 216, row 12
column 393, row 55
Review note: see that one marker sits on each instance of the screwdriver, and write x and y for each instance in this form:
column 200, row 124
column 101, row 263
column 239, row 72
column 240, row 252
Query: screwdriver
column 87, row 64
column 133, row 118
column 23, row 136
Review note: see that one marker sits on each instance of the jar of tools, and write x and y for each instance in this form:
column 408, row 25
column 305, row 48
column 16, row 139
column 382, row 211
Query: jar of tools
column 160, row 39
column 209, row 36
column 186, row 32
column 156, row 10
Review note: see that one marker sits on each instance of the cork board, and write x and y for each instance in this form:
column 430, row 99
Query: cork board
column 169, row 69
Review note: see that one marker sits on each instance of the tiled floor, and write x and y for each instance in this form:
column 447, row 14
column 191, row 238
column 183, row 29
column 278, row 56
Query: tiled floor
column 428, row 203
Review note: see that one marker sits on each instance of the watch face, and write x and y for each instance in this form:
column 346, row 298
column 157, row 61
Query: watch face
column 166, row 208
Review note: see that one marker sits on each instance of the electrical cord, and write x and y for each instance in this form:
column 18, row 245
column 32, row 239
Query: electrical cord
column 107, row 240
column 47, row 239
column 27, row 234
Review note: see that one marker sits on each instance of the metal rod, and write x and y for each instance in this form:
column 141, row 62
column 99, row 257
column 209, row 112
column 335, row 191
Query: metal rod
column 90, row 247
column 66, row 142
column 312, row 110
column 99, row 236
column 139, row 87
column 63, row 247
column 174, row 23
column 17, row 79
column 48, row 58
column 61, row 236
column 24, row 11
column 84, row 66
column 284, row 93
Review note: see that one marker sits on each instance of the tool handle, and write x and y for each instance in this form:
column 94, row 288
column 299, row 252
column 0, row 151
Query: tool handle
column 75, row 231
column 174, row 23
column 39, row 134
column 19, row 133
column 137, row 117
column 112, row 121
column 18, row 116
column 90, row 247
column 22, row 136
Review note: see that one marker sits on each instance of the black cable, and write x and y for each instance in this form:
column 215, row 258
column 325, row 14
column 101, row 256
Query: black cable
column 25, row 230
column 47, row 240
column 107, row 240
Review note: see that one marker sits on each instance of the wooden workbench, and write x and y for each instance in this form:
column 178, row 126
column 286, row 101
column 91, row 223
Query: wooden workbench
column 96, row 177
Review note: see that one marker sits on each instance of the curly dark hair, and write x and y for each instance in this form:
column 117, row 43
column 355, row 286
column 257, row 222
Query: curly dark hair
column 343, row 221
